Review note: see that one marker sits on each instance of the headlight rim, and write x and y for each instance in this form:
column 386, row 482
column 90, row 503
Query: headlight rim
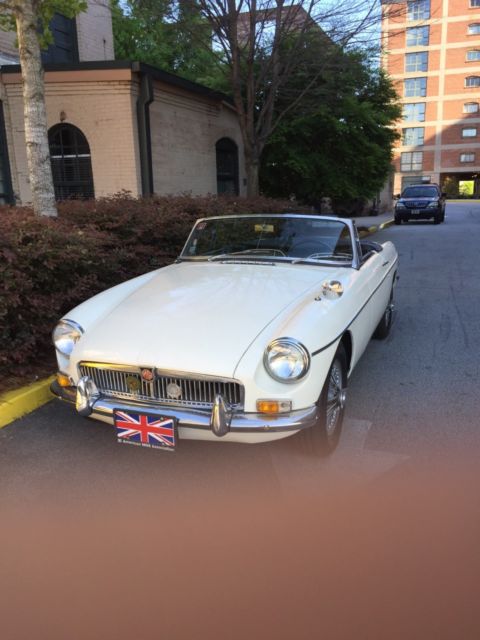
column 72, row 324
column 292, row 342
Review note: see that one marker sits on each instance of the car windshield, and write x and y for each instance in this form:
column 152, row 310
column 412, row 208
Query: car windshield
column 278, row 238
column 420, row 192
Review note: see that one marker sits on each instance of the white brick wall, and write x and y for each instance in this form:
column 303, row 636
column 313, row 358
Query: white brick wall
column 185, row 129
column 103, row 111
column 102, row 104
column 94, row 32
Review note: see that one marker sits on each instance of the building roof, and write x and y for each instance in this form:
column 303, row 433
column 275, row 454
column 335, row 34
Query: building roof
column 135, row 66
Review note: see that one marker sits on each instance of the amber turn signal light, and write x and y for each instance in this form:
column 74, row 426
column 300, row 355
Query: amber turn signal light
column 63, row 380
column 274, row 406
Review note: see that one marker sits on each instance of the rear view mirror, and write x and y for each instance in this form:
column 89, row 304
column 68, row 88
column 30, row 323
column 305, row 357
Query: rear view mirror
column 444, row 194
column 396, row 196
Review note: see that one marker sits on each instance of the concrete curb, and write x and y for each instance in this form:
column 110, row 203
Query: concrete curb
column 367, row 231
column 17, row 403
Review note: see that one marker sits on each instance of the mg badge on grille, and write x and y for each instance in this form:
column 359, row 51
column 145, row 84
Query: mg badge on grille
column 148, row 375
column 174, row 391
column 133, row 383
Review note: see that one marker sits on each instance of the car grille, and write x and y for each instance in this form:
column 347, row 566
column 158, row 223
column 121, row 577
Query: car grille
column 416, row 205
column 187, row 391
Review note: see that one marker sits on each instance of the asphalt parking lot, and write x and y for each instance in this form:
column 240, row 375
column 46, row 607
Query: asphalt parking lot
column 378, row 541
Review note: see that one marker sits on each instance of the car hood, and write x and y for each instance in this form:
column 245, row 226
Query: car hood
column 198, row 317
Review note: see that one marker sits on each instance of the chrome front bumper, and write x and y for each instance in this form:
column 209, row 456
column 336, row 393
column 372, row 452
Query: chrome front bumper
column 219, row 421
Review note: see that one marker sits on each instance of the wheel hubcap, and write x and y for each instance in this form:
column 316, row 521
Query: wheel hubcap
column 336, row 397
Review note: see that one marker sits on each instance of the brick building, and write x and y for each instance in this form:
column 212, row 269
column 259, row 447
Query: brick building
column 116, row 125
column 432, row 51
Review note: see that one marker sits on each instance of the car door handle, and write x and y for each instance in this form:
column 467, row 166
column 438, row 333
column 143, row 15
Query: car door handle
column 385, row 263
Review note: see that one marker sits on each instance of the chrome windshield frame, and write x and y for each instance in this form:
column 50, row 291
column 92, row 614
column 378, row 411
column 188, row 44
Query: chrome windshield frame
column 356, row 250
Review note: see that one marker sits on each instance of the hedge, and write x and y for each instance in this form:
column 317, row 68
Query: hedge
column 47, row 266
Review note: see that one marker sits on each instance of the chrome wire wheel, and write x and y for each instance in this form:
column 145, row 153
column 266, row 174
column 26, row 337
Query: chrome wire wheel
column 389, row 313
column 322, row 437
column 336, row 395
column 385, row 324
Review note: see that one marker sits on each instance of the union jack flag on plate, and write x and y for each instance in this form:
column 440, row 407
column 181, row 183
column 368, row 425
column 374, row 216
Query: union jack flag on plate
column 145, row 430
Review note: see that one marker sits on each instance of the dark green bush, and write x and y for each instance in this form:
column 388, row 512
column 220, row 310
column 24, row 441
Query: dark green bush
column 47, row 266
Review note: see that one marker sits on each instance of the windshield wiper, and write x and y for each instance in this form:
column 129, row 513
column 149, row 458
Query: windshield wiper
column 337, row 257
column 254, row 254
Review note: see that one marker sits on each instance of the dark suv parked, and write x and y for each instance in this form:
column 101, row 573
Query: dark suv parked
column 420, row 202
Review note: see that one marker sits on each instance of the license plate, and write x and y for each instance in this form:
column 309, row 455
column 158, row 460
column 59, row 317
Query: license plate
column 415, row 212
column 145, row 429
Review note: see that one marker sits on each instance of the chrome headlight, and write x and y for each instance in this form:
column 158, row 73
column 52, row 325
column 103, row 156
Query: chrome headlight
column 432, row 205
column 286, row 360
column 65, row 335
column 400, row 205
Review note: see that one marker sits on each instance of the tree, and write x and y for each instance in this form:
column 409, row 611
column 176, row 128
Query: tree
column 339, row 141
column 159, row 32
column 30, row 19
column 265, row 43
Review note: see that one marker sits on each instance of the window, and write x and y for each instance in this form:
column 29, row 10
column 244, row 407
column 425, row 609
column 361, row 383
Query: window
column 418, row 10
column 473, row 55
column 474, row 29
column 411, row 161
column 417, row 36
column 64, row 48
column 416, row 61
column 474, row 3
column 472, row 81
column 413, row 136
column 6, row 192
column 469, row 132
column 408, row 181
column 71, row 163
column 415, row 87
column 414, row 112
column 467, row 157
column 470, row 107
column 227, row 166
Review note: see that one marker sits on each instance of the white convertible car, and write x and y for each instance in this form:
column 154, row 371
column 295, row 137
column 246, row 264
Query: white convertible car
column 249, row 336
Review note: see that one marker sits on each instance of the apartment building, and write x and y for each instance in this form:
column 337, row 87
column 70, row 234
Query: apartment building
column 432, row 51
column 116, row 125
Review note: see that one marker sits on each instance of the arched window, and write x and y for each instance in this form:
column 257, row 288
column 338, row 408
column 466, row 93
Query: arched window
column 71, row 163
column 227, row 166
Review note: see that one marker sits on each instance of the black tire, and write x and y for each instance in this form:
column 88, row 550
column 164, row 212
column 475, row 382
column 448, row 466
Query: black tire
column 398, row 220
column 322, row 438
column 385, row 324
column 437, row 219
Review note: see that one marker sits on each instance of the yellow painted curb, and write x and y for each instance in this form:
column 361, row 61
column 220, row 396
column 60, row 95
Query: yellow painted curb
column 363, row 232
column 388, row 223
column 17, row 403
